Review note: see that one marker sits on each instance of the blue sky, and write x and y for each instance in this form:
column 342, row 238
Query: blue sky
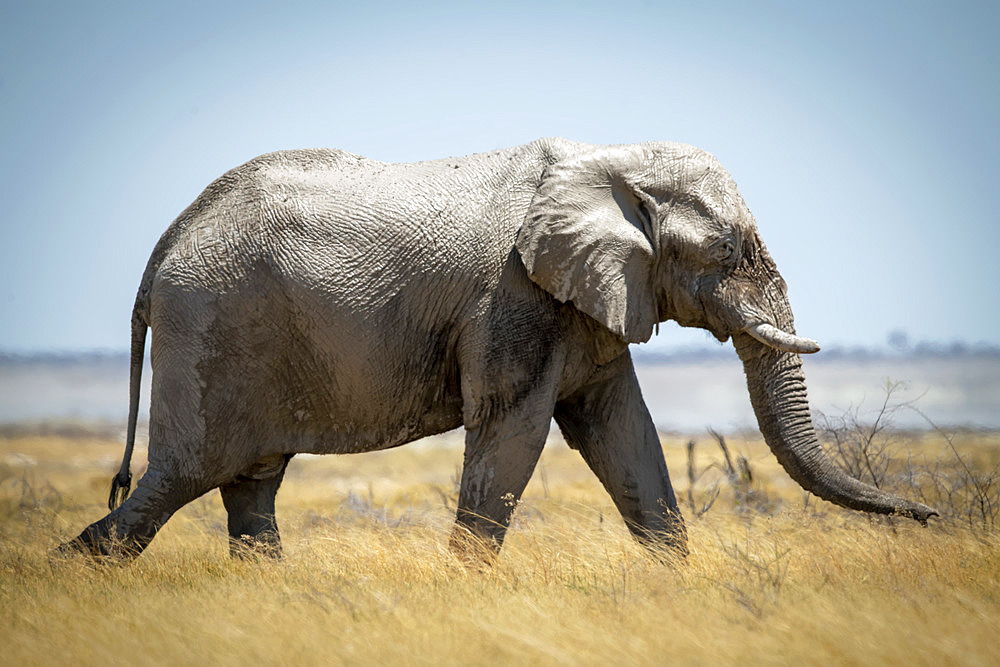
column 864, row 138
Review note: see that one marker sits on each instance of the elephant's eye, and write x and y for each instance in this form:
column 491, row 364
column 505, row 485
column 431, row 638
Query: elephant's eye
column 725, row 250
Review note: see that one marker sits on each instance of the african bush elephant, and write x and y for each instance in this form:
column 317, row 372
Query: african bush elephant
column 317, row 301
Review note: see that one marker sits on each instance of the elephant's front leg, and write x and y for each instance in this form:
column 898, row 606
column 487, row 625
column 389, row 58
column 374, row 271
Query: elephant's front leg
column 607, row 421
column 500, row 455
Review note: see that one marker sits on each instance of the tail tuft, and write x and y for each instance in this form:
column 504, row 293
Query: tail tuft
column 120, row 487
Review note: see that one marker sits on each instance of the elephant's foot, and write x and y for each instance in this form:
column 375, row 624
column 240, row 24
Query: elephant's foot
column 102, row 542
column 266, row 544
column 475, row 549
column 668, row 543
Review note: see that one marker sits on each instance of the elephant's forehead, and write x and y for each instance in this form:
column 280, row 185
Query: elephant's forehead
column 719, row 195
column 673, row 169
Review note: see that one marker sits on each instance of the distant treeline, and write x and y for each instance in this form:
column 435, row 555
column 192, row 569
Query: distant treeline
column 100, row 358
column 953, row 350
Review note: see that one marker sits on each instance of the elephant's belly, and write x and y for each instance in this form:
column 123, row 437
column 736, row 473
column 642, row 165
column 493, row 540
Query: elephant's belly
column 370, row 400
column 348, row 440
column 355, row 428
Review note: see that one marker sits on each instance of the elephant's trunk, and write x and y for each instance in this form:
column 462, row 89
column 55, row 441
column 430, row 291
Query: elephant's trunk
column 778, row 395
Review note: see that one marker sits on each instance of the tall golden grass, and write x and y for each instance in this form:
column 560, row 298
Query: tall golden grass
column 367, row 577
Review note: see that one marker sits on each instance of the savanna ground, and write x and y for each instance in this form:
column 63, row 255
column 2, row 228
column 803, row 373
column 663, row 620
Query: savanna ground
column 773, row 575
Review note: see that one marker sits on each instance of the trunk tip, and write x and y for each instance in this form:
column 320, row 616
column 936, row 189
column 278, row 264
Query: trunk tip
column 919, row 512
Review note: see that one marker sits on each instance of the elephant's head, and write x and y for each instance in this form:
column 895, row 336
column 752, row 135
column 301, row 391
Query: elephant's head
column 637, row 235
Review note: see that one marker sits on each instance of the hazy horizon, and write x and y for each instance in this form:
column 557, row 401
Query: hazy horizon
column 683, row 393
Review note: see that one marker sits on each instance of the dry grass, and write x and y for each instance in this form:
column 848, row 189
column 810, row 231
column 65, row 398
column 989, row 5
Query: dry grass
column 368, row 578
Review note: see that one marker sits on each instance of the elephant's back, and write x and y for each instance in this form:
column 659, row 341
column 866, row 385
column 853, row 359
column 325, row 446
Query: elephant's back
column 420, row 215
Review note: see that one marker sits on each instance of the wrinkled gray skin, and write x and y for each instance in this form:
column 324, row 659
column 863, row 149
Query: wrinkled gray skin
column 317, row 301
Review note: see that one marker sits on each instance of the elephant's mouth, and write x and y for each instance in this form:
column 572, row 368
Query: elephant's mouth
column 726, row 322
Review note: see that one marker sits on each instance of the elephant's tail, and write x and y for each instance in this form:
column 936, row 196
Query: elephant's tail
column 122, row 482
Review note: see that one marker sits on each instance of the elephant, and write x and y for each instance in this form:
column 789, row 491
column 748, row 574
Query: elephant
column 316, row 301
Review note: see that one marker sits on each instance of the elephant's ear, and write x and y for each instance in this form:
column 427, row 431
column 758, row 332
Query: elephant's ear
column 587, row 239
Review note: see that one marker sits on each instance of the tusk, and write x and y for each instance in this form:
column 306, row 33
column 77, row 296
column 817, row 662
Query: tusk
column 780, row 340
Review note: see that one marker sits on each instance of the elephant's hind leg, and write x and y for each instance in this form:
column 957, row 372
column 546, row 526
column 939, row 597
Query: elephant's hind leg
column 253, row 529
column 127, row 531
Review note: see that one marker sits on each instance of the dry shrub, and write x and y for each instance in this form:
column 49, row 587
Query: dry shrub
column 748, row 492
column 961, row 488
